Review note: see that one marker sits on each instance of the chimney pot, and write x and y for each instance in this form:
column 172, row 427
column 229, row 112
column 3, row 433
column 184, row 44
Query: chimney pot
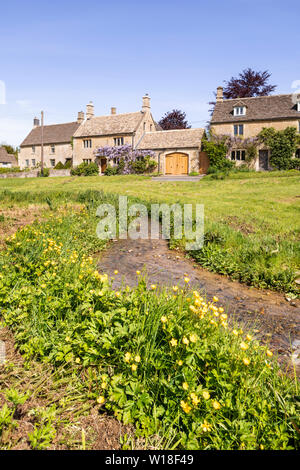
column 36, row 122
column 146, row 103
column 80, row 117
column 219, row 97
column 89, row 110
column 113, row 110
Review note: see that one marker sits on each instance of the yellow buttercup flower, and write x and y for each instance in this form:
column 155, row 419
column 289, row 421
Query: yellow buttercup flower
column 206, row 395
column 185, row 386
column 193, row 338
column 185, row 340
column 134, row 367
column 269, row 353
column 127, row 357
column 216, row 405
column 138, row 272
column 246, row 361
column 195, row 399
column 104, row 385
column 215, row 299
column 205, row 426
column 244, row 346
column 77, row 360
column 235, row 332
column 193, row 308
column 100, row 400
column 137, row 358
column 249, row 338
column 164, row 319
column 180, row 362
column 175, row 288
column 186, row 280
column 173, row 342
column 153, row 286
column 185, row 406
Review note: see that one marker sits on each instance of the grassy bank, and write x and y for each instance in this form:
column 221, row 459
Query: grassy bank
column 168, row 363
column 252, row 222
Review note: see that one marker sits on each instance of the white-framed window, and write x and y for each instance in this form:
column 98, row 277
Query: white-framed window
column 27, row 163
column 238, row 129
column 87, row 160
column 298, row 106
column 33, row 149
column 239, row 110
column 87, row 143
column 52, row 148
column 119, row 141
column 52, row 162
column 33, row 162
column 238, row 155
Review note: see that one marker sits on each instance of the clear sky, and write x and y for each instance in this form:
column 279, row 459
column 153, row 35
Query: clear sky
column 59, row 55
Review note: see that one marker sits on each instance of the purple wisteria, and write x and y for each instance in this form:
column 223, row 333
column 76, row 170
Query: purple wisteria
column 122, row 153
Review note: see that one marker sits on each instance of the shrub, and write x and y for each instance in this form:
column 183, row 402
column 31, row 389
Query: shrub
column 45, row 173
column 282, row 145
column 143, row 165
column 111, row 170
column 85, row 169
column 295, row 164
column 14, row 169
column 68, row 164
column 59, row 166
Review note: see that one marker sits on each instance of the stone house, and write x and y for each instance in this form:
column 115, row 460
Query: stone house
column 7, row 160
column 57, row 140
column 111, row 130
column 178, row 152
column 246, row 117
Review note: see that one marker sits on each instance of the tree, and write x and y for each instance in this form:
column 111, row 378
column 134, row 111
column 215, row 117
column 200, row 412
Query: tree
column 175, row 119
column 248, row 83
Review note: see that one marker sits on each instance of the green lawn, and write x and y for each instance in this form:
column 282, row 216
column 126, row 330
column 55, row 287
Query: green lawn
column 252, row 220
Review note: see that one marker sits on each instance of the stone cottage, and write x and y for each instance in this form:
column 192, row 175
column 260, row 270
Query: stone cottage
column 176, row 151
column 246, row 117
column 7, row 160
column 57, row 140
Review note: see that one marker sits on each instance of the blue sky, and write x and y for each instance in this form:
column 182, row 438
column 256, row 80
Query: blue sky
column 59, row 55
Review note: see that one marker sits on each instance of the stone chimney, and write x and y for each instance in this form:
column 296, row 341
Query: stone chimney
column 80, row 117
column 113, row 110
column 219, row 97
column 146, row 103
column 89, row 110
column 36, row 122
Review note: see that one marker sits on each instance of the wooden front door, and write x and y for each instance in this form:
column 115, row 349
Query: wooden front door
column 263, row 160
column 103, row 165
column 177, row 164
column 203, row 163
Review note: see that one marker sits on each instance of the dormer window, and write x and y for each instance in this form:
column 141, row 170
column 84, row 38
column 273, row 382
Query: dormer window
column 239, row 110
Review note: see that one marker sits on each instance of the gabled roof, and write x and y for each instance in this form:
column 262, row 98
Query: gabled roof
column 54, row 134
column 112, row 124
column 7, row 157
column 258, row 108
column 178, row 138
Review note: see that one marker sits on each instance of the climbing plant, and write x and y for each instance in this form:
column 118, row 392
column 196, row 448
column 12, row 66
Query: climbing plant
column 282, row 144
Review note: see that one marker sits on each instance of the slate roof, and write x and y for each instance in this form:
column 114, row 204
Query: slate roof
column 258, row 108
column 111, row 124
column 54, row 134
column 7, row 157
column 171, row 139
